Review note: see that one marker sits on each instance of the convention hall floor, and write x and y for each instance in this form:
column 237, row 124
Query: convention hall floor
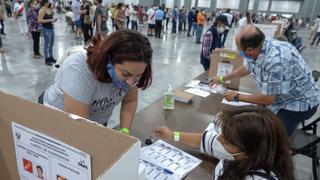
column 176, row 61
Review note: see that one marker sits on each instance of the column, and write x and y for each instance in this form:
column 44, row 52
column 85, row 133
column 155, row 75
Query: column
column 269, row 7
column 255, row 6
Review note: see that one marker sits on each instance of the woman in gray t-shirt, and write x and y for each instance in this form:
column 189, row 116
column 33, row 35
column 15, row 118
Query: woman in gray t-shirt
column 90, row 84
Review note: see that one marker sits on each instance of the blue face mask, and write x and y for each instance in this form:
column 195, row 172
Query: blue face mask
column 242, row 54
column 116, row 81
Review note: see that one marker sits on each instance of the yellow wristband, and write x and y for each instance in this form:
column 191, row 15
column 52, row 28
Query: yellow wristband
column 176, row 136
column 125, row 130
column 221, row 79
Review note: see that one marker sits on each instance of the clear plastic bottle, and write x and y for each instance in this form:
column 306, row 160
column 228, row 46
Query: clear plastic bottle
column 168, row 101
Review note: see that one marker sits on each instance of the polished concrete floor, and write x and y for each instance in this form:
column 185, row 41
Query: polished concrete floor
column 176, row 61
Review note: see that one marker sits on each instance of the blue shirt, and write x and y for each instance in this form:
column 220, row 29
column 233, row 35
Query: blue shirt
column 281, row 71
column 159, row 14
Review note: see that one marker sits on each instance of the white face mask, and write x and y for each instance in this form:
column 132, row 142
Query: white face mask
column 220, row 152
column 221, row 29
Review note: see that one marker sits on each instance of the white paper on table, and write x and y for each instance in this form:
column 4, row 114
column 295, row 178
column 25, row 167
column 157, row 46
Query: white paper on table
column 233, row 103
column 198, row 92
column 153, row 172
column 35, row 150
column 164, row 155
column 192, row 83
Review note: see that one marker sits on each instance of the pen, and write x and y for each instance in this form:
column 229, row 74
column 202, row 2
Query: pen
column 167, row 171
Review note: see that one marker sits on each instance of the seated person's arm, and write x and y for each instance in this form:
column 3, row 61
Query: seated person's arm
column 253, row 98
column 128, row 108
column 190, row 139
column 75, row 107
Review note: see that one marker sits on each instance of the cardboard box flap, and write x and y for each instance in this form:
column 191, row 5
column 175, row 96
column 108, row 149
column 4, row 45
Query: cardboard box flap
column 104, row 145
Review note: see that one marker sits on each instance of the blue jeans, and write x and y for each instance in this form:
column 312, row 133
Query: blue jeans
column 174, row 26
column 0, row 41
column 195, row 27
column 199, row 33
column 291, row 119
column 48, row 35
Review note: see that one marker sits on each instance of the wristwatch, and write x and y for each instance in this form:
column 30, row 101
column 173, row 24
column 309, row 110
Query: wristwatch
column 236, row 98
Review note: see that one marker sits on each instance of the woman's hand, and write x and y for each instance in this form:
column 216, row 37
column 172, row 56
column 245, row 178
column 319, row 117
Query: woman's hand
column 163, row 133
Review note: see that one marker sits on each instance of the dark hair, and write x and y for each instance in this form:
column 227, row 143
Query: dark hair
column 120, row 46
column 39, row 167
column 43, row 2
column 248, row 16
column 261, row 136
column 228, row 10
column 119, row 6
column 252, row 40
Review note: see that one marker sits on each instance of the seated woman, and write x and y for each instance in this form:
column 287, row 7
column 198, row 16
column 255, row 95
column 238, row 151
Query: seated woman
column 250, row 142
column 91, row 83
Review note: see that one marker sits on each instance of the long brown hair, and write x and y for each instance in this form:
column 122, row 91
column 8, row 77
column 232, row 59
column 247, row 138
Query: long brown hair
column 120, row 46
column 261, row 136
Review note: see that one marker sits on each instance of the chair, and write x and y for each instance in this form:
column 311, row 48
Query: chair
column 70, row 25
column 307, row 143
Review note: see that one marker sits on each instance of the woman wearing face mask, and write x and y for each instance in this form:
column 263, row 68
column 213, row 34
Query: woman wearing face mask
column 45, row 17
column 252, row 144
column 212, row 40
column 34, row 27
column 113, row 69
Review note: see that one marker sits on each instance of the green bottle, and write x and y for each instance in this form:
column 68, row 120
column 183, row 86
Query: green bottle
column 168, row 101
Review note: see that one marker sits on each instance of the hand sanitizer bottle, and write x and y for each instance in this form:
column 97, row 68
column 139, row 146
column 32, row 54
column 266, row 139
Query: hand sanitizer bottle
column 168, row 101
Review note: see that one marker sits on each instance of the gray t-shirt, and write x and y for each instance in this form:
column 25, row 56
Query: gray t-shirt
column 75, row 79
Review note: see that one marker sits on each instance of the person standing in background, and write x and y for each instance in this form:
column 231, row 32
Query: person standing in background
column 159, row 16
column 8, row 8
column 2, row 20
column 101, row 15
column 201, row 20
column 244, row 21
column 127, row 14
column 47, row 20
column 20, row 15
column 86, row 22
column 134, row 18
column 230, row 19
column 34, row 27
column 76, row 8
column 119, row 16
column 174, row 20
column 191, row 15
column 151, row 20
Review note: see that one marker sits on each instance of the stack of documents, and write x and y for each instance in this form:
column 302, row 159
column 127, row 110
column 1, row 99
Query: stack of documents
column 164, row 161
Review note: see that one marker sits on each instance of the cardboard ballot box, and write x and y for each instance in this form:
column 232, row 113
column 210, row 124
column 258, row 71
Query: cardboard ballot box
column 224, row 61
column 39, row 142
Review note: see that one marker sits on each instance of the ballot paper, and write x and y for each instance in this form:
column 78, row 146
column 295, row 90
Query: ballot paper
column 233, row 103
column 198, row 92
column 164, row 160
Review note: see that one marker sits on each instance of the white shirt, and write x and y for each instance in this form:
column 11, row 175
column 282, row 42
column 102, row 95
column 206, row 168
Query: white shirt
column 76, row 6
column 133, row 16
column 151, row 16
column 242, row 23
column 229, row 17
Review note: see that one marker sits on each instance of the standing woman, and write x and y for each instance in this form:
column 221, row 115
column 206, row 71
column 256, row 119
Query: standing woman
column 34, row 27
column 45, row 17
column 127, row 14
column 90, row 84
column 8, row 8
column 119, row 16
column 86, row 22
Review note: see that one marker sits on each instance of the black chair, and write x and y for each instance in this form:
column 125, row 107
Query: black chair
column 305, row 141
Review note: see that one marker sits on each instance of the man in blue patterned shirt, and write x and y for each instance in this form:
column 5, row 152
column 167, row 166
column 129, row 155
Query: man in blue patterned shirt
column 285, row 82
